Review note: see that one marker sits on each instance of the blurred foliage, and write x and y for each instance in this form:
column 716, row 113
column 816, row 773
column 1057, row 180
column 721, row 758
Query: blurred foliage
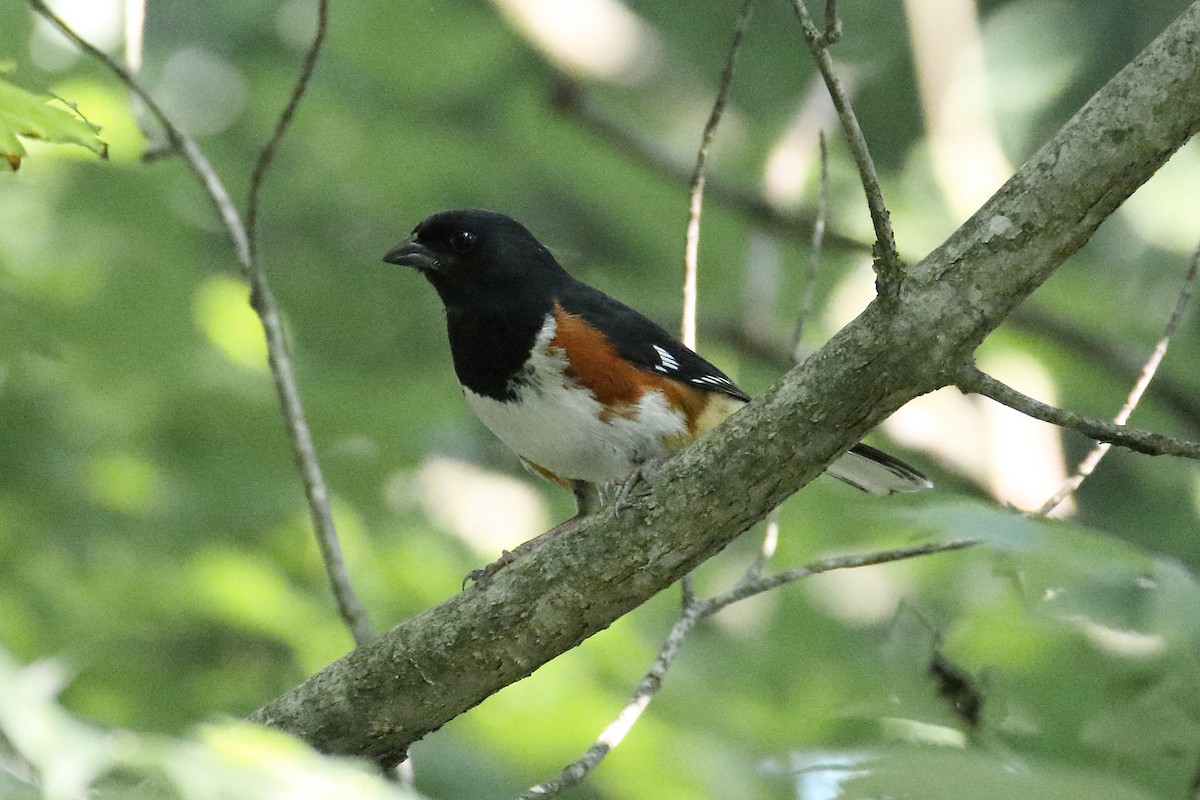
column 153, row 537
column 55, row 756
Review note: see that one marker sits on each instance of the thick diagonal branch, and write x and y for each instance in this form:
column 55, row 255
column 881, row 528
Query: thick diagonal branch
column 381, row 698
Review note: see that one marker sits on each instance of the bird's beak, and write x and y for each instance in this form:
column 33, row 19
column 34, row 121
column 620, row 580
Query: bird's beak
column 411, row 253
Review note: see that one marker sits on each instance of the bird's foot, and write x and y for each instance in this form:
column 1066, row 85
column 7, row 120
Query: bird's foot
column 641, row 474
column 481, row 577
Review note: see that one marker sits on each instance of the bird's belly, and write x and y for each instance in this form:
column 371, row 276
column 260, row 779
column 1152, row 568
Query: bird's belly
column 563, row 428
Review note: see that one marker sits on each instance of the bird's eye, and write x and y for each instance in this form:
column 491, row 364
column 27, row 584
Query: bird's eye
column 462, row 241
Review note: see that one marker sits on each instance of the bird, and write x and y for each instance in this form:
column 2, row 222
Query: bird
column 584, row 389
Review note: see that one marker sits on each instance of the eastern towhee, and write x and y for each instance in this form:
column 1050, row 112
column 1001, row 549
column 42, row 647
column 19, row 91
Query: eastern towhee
column 583, row 388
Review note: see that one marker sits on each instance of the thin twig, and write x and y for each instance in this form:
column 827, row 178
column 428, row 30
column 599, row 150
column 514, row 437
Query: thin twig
column 263, row 302
column 611, row 736
column 749, row 587
column 889, row 270
column 692, row 613
column 699, row 175
column 971, row 379
column 833, row 23
column 267, row 155
column 1088, row 465
column 316, row 492
column 262, row 298
column 818, row 241
column 1178, row 398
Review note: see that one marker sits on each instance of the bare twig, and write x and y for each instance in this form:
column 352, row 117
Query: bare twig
column 267, row 155
column 699, row 175
column 610, row 737
column 971, row 379
column 814, row 257
column 889, row 270
column 1180, row 398
column 1171, row 392
column 1097, row 453
column 749, row 587
column 833, row 23
column 351, row 609
column 261, row 299
column 693, row 611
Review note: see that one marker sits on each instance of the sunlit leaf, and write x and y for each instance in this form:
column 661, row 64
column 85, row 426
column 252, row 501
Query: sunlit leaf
column 24, row 114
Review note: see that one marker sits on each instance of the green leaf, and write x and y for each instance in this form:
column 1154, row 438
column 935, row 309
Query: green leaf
column 1067, row 570
column 32, row 116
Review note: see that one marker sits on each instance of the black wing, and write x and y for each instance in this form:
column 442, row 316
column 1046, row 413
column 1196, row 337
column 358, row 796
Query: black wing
column 641, row 342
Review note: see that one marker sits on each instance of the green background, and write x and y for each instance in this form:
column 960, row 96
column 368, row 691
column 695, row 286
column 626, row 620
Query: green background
column 153, row 534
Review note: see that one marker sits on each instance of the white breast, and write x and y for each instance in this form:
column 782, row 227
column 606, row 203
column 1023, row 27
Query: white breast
column 556, row 423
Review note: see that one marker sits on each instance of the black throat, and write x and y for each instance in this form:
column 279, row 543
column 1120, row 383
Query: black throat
column 490, row 348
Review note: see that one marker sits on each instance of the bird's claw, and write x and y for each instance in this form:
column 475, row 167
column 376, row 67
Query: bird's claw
column 641, row 474
column 481, row 577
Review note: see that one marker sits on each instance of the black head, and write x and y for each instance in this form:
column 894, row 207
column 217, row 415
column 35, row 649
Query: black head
column 474, row 257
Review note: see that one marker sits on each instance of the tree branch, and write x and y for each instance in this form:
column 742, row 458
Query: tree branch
column 1088, row 465
column 888, row 267
column 380, row 698
column 971, row 380
column 1182, row 399
column 575, row 772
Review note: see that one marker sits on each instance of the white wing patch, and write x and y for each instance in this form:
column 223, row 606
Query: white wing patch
column 712, row 380
column 667, row 361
